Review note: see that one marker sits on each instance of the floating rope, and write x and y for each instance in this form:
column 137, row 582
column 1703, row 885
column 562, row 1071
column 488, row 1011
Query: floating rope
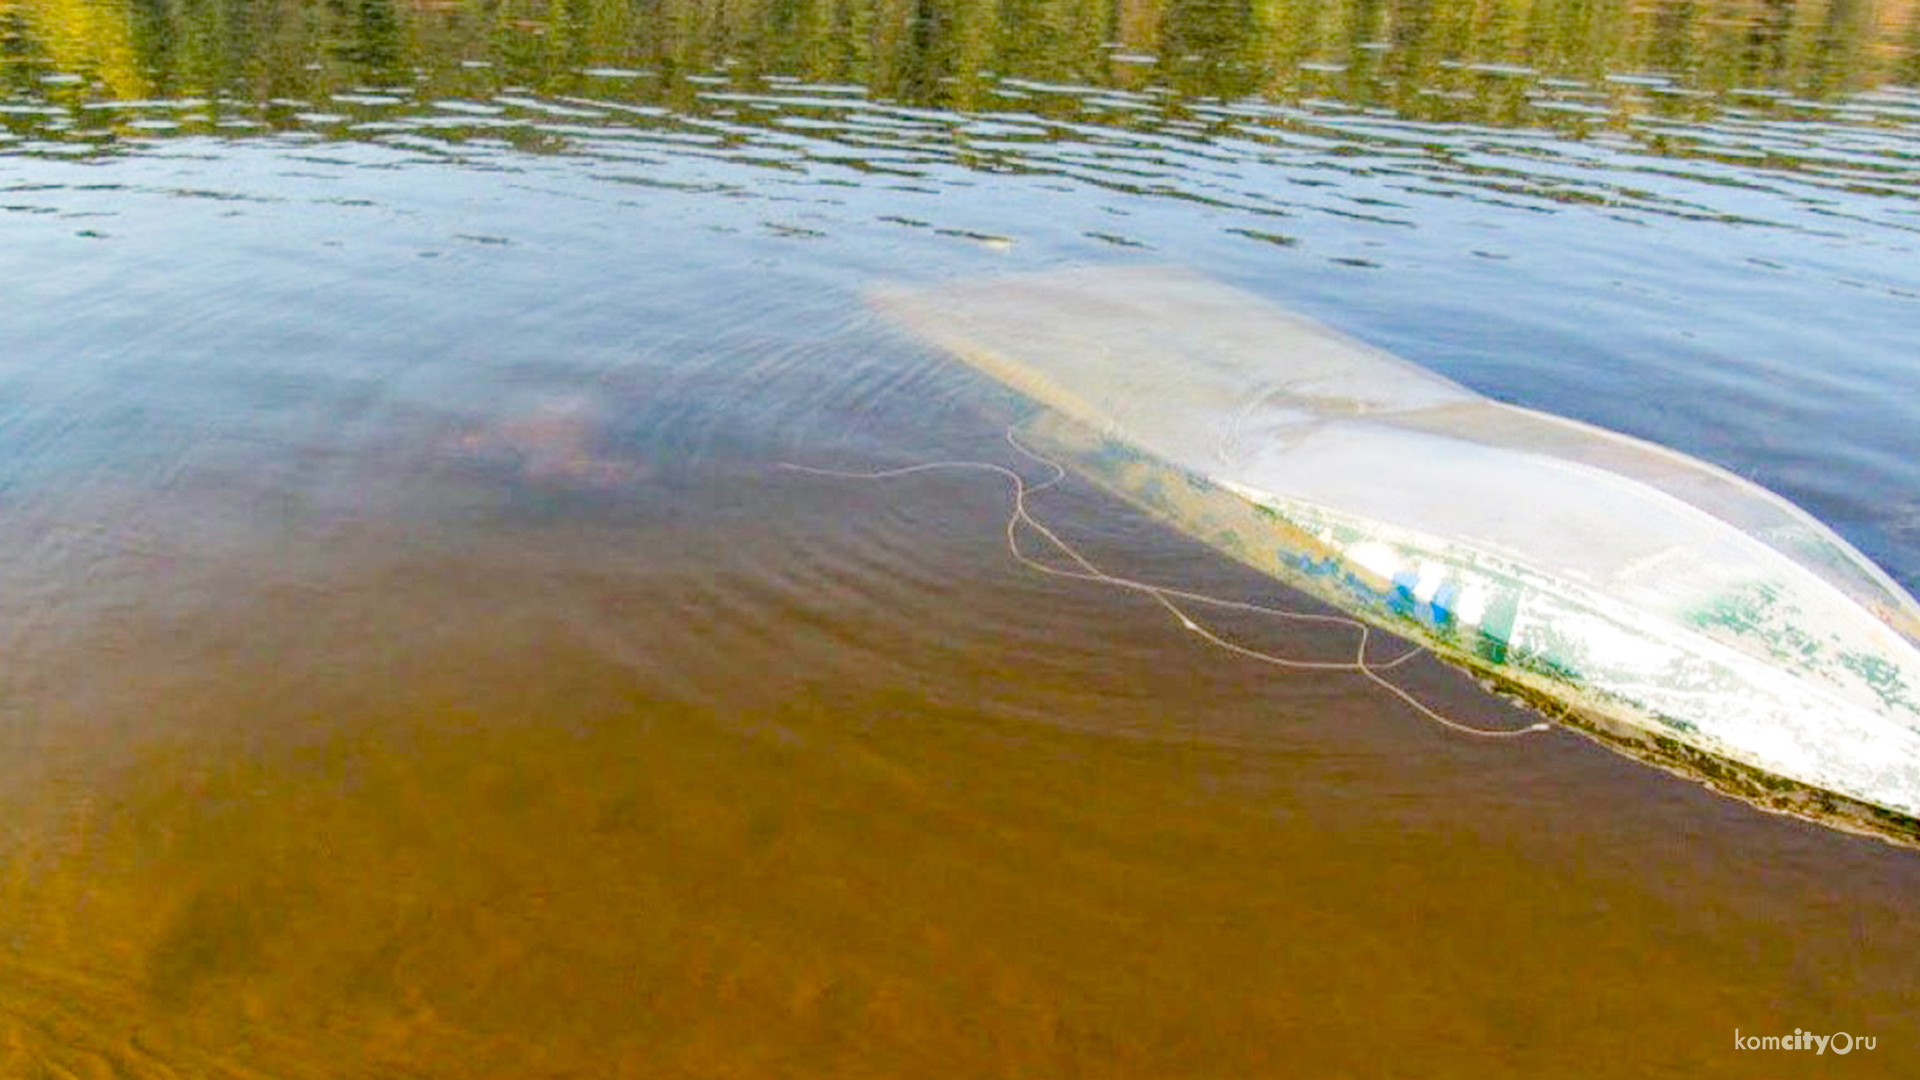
column 1167, row 596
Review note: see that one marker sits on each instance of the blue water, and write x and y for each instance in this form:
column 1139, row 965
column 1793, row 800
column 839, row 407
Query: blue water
column 1749, row 301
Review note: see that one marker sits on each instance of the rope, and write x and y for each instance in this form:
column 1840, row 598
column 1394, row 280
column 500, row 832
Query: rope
column 1167, row 596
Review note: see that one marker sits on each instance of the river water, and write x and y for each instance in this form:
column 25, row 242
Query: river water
column 414, row 661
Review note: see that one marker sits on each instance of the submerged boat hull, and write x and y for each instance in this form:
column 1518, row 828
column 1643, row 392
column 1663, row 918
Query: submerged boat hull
column 1706, row 652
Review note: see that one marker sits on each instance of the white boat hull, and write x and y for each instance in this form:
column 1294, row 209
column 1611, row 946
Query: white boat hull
column 1522, row 546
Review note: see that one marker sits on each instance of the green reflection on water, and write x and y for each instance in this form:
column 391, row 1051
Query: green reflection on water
column 1553, row 62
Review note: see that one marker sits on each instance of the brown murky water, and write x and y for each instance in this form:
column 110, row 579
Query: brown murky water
column 414, row 662
column 618, row 798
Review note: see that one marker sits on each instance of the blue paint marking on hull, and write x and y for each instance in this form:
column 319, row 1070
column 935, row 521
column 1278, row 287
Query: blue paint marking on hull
column 1441, row 606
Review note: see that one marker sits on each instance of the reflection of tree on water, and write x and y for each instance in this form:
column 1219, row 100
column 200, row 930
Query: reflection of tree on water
column 376, row 43
column 1766, row 36
column 1830, row 60
column 91, row 38
column 1417, row 56
column 1670, row 44
column 1221, row 36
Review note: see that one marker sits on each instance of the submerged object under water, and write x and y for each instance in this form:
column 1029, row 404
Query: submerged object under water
column 1676, row 610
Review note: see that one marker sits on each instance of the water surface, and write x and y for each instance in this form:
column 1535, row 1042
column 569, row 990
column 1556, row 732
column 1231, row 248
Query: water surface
column 417, row 664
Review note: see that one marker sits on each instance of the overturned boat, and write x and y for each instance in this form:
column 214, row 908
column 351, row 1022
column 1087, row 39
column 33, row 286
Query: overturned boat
column 1675, row 610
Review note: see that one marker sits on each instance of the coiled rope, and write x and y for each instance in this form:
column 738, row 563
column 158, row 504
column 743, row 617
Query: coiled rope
column 1167, row 596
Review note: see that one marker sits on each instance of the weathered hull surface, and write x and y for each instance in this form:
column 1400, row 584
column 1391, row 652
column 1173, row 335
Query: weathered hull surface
column 1680, row 613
